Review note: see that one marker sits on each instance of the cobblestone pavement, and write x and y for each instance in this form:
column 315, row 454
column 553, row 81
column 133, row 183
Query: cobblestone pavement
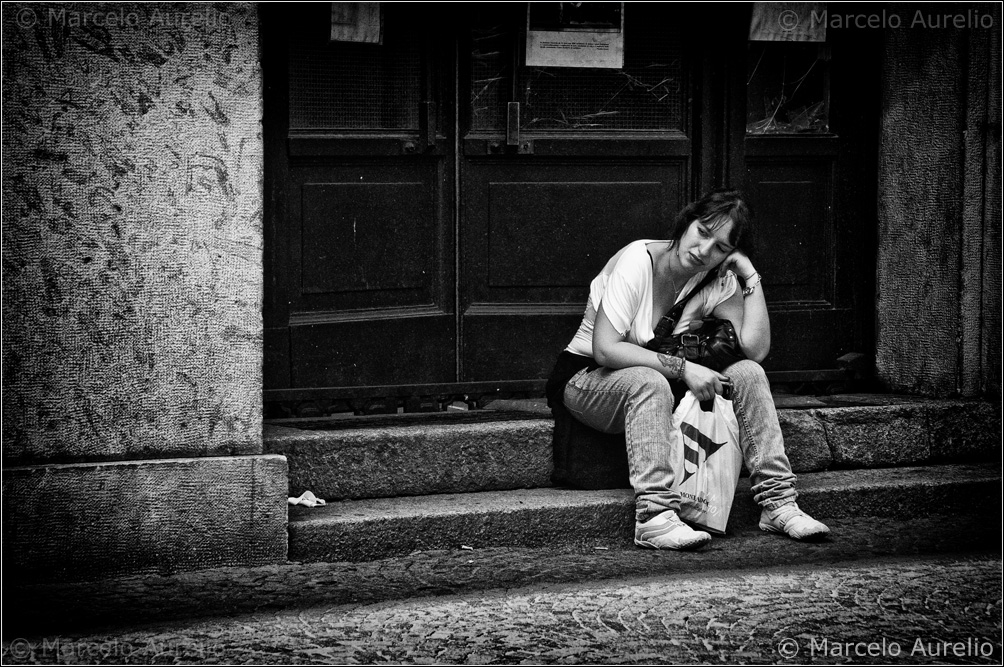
column 156, row 598
column 944, row 609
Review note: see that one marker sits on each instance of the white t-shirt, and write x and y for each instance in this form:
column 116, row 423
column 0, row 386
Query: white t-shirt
column 624, row 288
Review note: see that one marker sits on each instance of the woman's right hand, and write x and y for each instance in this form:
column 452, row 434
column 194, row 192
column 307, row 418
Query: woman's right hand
column 702, row 381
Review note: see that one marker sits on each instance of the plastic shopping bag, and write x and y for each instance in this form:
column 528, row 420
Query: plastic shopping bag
column 707, row 461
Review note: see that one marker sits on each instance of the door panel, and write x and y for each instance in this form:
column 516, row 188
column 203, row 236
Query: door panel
column 361, row 269
column 369, row 236
column 374, row 302
column 793, row 199
column 808, row 339
column 809, row 170
column 399, row 348
column 541, row 232
column 334, row 213
column 560, row 168
column 529, row 222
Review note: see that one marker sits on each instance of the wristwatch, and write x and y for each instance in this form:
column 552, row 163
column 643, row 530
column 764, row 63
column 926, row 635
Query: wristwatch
column 750, row 286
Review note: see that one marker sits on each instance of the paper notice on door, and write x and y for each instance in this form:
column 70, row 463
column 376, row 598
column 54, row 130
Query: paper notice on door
column 575, row 34
column 356, row 22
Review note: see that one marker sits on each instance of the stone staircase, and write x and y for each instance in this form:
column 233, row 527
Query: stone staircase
column 414, row 482
column 431, row 504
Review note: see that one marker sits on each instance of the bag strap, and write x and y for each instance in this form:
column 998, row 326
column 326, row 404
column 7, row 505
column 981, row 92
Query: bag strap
column 668, row 321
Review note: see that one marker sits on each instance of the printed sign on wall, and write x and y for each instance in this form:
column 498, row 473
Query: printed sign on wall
column 575, row 34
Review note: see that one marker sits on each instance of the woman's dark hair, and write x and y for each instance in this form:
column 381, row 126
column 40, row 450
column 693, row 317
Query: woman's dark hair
column 714, row 208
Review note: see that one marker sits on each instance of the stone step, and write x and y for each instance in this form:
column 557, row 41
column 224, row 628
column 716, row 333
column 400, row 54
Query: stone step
column 361, row 530
column 50, row 609
column 509, row 446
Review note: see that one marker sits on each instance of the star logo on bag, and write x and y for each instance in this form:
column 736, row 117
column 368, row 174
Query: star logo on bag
column 693, row 442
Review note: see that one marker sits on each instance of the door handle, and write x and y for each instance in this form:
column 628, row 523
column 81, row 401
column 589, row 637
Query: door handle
column 512, row 125
column 427, row 125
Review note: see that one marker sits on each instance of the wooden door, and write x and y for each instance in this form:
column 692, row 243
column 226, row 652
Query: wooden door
column 435, row 209
column 808, row 136
column 360, row 280
column 560, row 168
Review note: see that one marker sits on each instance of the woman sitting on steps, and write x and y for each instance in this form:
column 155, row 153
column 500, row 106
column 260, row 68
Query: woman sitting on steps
column 609, row 381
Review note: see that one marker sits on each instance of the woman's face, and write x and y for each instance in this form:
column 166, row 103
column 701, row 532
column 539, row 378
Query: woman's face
column 705, row 244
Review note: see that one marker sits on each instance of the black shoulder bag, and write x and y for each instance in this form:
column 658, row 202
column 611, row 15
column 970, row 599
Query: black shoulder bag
column 711, row 342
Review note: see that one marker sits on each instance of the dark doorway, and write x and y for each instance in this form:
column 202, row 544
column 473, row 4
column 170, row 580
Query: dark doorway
column 435, row 208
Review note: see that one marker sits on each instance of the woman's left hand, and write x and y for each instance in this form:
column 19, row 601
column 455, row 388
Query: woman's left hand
column 738, row 263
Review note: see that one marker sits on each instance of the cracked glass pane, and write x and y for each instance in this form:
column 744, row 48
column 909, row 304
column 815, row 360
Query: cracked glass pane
column 491, row 73
column 647, row 94
column 787, row 88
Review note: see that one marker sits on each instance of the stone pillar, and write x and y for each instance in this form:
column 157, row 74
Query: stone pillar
column 939, row 285
column 983, row 177
column 132, row 281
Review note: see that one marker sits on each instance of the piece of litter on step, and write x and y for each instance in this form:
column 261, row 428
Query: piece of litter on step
column 602, row 548
column 464, row 546
column 307, row 499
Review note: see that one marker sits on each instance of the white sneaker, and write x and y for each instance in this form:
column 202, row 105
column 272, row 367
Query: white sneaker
column 667, row 531
column 792, row 521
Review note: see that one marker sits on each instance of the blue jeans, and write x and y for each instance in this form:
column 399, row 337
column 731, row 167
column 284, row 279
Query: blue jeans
column 638, row 402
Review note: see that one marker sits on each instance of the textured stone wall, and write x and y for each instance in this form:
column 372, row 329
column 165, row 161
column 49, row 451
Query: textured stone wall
column 92, row 520
column 939, row 287
column 132, row 276
column 984, row 172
